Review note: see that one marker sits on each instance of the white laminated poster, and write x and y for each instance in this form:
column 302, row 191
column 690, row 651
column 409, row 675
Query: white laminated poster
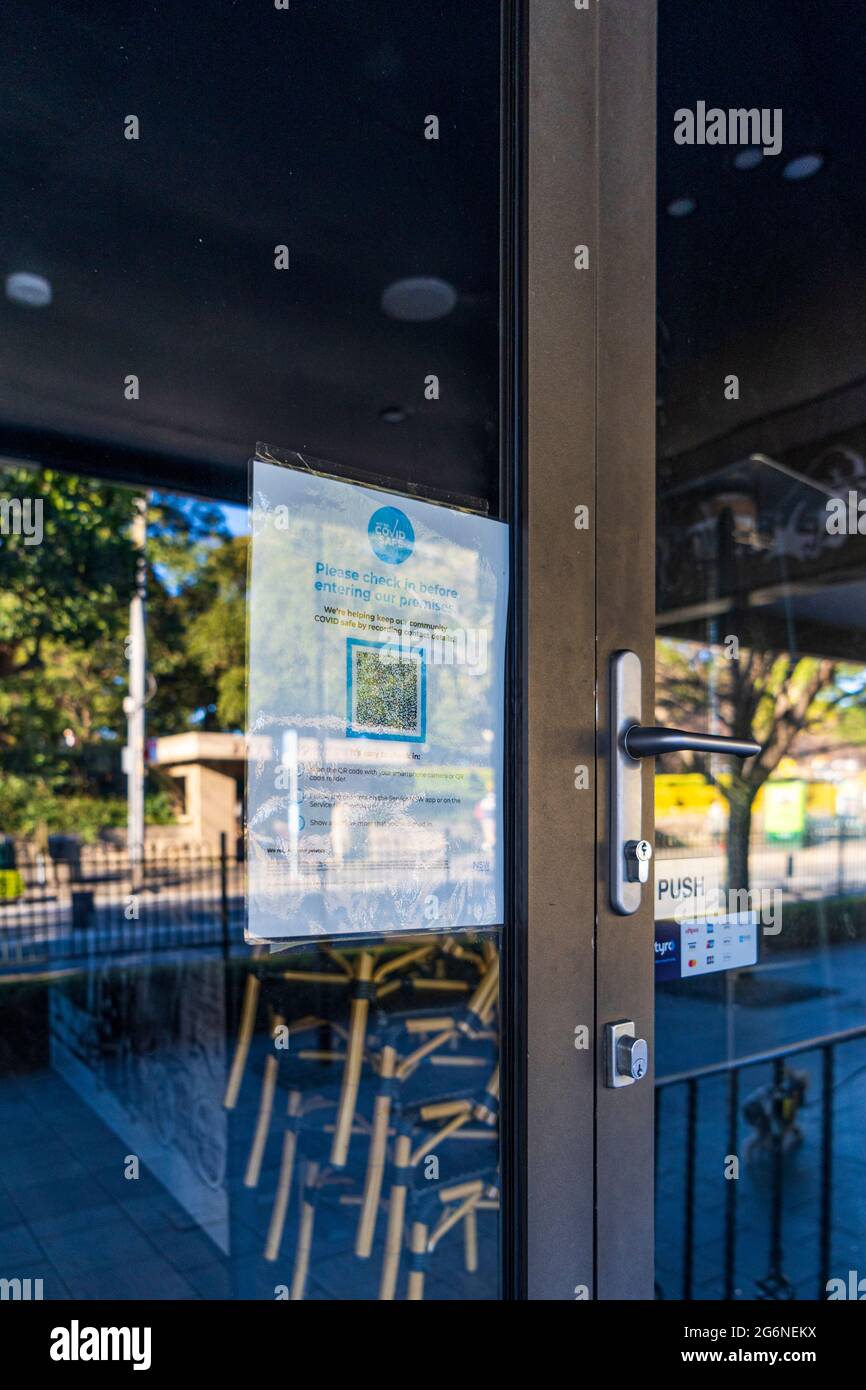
column 375, row 744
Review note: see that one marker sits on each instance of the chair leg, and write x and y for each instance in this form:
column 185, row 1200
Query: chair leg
column 396, row 1217
column 419, row 1252
column 245, row 1037
column 263, row 1123
column 470, row 1241
column 480, row 1006
column 354, row 1058
column 284, row 1185
column 376, row 1159
column 305, row 1236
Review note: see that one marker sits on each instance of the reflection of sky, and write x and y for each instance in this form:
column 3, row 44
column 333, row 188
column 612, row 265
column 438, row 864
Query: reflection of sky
column 237, row 519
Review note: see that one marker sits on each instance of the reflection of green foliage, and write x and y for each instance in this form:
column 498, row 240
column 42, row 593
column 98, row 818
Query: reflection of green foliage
column 64, row 590
column 770, row 696
column 185, row 545
column 216, row 627
column 64, row 619
column 819, row 923
column 29, row 807
column 767, row 695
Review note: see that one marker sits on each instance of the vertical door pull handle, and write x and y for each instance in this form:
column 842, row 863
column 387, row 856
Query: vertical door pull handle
column 630, row 854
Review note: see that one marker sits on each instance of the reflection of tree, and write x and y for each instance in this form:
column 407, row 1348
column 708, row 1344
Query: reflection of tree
column 64, row 620
column 769, row 696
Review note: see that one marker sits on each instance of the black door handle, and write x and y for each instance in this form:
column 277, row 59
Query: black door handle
column 641, row 741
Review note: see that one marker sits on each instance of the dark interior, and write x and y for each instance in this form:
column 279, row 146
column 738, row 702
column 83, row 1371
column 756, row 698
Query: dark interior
column 162, row 261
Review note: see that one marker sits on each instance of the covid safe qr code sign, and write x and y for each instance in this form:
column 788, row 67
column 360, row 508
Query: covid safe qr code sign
column 375, row 711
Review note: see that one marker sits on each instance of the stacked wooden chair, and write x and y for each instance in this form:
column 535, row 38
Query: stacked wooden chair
column 362, row 1086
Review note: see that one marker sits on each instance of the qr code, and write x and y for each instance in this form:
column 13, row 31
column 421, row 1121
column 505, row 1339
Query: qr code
column 386, row 692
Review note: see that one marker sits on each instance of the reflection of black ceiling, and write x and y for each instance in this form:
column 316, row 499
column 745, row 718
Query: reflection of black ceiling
column 258, row 127
column 305, row 127
column 767, row 277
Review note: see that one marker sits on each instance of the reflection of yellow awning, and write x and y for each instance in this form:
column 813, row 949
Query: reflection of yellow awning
column 684, row 793
column 11, row 884
column 688, row 794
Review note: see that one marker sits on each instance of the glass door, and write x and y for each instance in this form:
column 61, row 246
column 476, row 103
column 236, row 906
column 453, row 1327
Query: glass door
column 412, row 243
column 291, row 233
column 760, row 863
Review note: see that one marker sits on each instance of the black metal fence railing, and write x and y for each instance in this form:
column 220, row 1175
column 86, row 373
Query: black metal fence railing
column 829, row 858
column 92, row 899
column 772, row 1236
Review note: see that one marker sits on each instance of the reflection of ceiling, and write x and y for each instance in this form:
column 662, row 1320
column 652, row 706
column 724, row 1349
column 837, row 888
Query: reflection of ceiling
column 262, row 127
column 258, row 127
column 821, row 623
column 832, row 607
column 748, row 546
column 767, row 277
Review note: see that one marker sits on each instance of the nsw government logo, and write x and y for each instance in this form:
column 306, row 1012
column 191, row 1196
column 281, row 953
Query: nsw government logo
column 391, row 535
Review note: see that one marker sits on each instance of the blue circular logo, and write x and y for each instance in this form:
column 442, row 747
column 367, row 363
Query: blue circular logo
column 391, row 535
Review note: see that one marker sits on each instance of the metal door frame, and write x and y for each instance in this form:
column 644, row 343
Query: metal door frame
column 579, row 431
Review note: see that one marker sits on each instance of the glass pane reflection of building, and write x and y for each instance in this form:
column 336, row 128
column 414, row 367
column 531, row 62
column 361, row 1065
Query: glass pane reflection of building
column 761, row 632
column 189, row 1116
column 181, row 1116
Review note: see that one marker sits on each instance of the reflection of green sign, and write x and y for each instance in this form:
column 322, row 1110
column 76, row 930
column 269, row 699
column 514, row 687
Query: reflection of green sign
column 784, row 810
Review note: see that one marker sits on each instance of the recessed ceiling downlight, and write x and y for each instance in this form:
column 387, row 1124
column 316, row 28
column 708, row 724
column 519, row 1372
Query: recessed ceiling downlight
column 419, row 299
column 22, row 287
column 803, row 167
column 681, row 207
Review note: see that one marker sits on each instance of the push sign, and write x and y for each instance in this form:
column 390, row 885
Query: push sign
column 683, row 886
column 694, row 935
